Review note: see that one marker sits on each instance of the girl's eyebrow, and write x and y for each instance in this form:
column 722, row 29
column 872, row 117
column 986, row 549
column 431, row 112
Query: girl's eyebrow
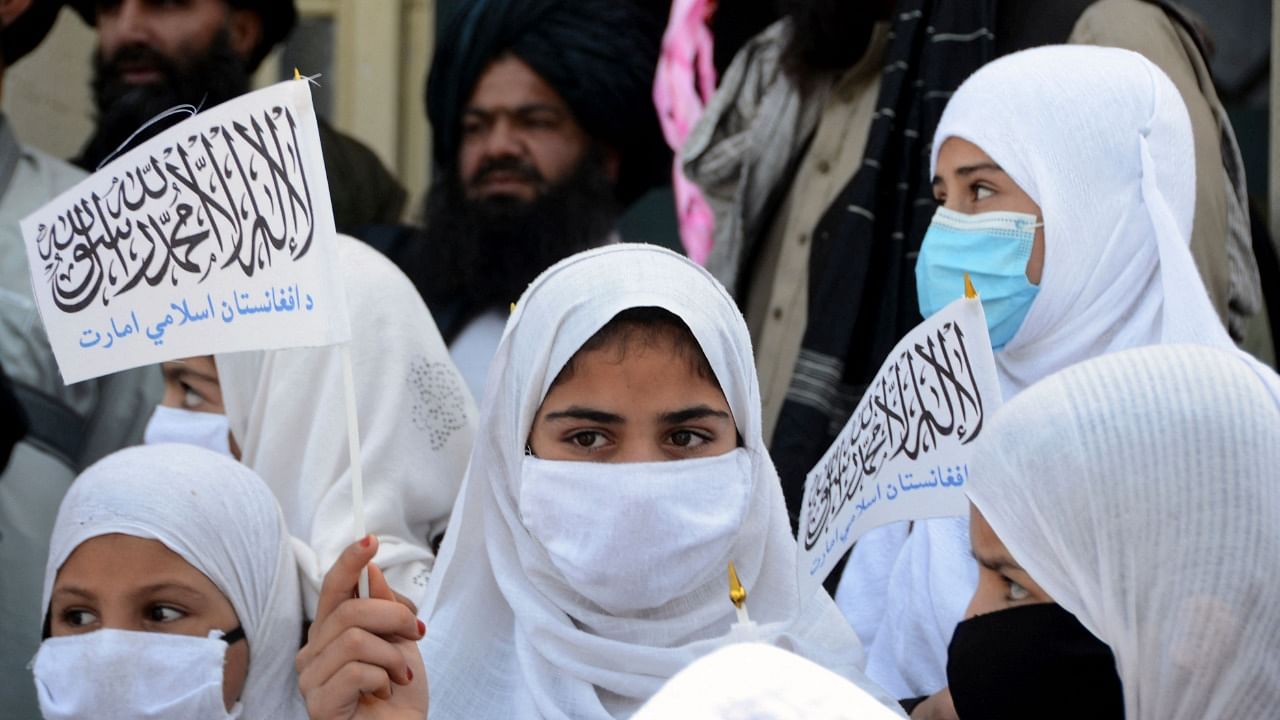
column 169, row 586
column 971, row 169
column 699, row 412
column 967, row 170
column 997, row 564
column 576, row 412
column 73, row 590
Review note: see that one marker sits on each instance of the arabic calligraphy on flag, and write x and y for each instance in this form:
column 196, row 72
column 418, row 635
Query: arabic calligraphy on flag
column 215, row 236
column 903, row 455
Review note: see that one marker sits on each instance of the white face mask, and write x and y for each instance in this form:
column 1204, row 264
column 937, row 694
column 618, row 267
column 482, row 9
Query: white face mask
column 634, row 536
column 119, row 674
column 179, row 425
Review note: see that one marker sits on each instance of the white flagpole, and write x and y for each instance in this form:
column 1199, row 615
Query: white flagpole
column 353, row 441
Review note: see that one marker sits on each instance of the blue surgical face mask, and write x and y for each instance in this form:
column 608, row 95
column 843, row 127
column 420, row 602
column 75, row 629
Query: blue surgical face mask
column 993, row 247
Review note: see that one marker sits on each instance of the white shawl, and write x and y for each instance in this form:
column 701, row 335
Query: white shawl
column 1139, row 490
column 221, row 518
column 499, row 647
column 1101, row 141
column 287, row 412
column 751, row 681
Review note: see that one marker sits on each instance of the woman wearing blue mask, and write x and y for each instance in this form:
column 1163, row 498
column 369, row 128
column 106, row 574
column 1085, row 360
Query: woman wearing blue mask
column 1066, row 179
column 619, row 468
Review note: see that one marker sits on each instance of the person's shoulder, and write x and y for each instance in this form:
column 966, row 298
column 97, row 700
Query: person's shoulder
column 38, row 178
column 1139, row 25
column 333, row 140
column 59, row 174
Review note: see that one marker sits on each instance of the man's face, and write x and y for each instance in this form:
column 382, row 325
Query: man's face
column 177, row 31
column 519, row 138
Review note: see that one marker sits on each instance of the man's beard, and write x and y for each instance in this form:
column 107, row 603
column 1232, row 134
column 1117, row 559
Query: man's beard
column 485, row 252
column 202, row 79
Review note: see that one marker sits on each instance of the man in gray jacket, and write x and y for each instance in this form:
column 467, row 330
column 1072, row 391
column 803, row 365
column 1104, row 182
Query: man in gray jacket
column 68, row 426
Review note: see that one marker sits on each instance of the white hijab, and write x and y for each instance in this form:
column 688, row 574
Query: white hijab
column 1100, row 139
column 497, row 646
column 287, row 412
column 222, row 519
column 751, row 681
column 1139, row 490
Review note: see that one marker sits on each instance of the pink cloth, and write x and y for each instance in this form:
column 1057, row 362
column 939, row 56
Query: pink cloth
column 684, row 83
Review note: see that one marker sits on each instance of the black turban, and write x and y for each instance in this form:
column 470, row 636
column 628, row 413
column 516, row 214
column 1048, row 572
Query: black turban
column 599, row 55
column 278, row 19
column 27, row 31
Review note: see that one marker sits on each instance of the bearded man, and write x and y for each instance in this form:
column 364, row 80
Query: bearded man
column 544, row 131
column 154, row 55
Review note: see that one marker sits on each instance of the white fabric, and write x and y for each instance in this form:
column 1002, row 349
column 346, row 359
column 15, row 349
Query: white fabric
column 1100, row 139
column 933, row 578
column 501, row 644
column 472, row 351
column 671, row 525
column 753, row 681
column 221, row 518
column 180, row 425
column 1139, row 490
column 129, row 675
column 288, row 414
column 870, row 564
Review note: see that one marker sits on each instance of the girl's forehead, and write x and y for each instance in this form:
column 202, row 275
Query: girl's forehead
column 626, row 372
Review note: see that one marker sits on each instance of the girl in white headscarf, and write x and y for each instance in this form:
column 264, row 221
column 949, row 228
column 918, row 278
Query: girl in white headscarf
column 287, row 415
column 171, row 592
column 575, row 589
column 1066, row 176
column 1136, row 491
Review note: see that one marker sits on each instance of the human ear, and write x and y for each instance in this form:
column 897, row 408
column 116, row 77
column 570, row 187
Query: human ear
column 245, row 29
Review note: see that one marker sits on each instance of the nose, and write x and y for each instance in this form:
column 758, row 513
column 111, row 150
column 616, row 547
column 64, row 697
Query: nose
column 503, row 140
column 125, row 24
column 640, row 453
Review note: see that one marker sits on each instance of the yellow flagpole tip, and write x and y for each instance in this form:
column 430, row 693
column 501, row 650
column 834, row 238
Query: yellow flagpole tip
column 737, row 593
column 969, row 292
column 513, row 307
column 297, row 75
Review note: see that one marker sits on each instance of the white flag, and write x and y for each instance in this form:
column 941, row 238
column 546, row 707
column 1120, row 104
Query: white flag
column 214, row 236
column 904, row 453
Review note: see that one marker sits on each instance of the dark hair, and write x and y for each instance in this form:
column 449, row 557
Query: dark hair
column 828, row 35
column 650, row 327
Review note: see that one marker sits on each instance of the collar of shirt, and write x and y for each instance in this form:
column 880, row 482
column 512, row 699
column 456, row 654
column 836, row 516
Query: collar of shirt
column 10, row 151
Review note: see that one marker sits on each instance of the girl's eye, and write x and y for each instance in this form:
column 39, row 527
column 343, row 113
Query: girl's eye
column 981, row 192
column 688, row 439
column 1017, row 592
column 192, row 399
column 164, row 614
column 78, row 618
column 587, row 439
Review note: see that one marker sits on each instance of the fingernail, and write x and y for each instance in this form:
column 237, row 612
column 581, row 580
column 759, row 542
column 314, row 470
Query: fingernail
column 364, row 541
column 422, row 628
column 409, row 672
